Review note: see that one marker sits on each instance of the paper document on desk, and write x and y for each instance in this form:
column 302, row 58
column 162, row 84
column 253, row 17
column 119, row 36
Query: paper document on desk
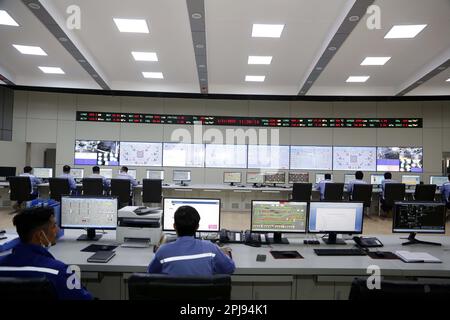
column 408, row 256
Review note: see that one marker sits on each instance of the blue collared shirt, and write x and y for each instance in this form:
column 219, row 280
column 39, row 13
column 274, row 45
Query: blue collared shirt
column 321, row 188
column 72, row 183
column 352, row 183
column 190, row 256
column 40, row 262
column 106, row 182
column 126, row 176
column 384, row 182
column 34, row 182
column 445, row 190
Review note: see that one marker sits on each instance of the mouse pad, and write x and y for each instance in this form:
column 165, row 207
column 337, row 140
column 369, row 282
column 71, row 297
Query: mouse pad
column 98, row 247
column 286, row 255
column 386, row 255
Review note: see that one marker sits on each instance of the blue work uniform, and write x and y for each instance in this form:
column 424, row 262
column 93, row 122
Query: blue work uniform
column 126, row 176
column 352, row 183
column 34, row 182
column 190, row 256
column 321, row 188
column 445, row 191
column 383, row 183
column 106, row 182
column 30, row 260
column 72, row 183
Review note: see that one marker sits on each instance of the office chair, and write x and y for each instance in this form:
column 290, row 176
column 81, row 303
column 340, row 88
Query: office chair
column 145, row 286
column 151, row 191
column 334, row 191
column 393, row 290
column 301, row 192
column 58, row 187
column 92, row 186
column 392, row 192
column 363, row 193
column 27, row 289
column 122, row 189
column 20, row 189
column 425, row 192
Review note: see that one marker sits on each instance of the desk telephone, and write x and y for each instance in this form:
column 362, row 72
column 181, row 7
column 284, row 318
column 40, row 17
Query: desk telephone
column 227, row 236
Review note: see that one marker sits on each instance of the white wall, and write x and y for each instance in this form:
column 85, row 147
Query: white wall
column 12, row 154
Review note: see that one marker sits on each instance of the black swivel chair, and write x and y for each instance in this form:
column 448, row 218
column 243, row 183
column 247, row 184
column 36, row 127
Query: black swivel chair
column 58, row 187
column 121, row 188
column 425, row 192
column 363, row 193
column 27, row 289
column 334, row 191
column 145, row 286
column 392, row 290
column 20, row 189
column 392, row 192
column 92, row 186
column 151, row 191
column 301, row 192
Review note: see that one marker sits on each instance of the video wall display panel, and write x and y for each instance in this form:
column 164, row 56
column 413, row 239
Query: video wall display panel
column 268, row 157
column 183, row 155
column 403, row 159
column 311, row 157
column 226, row 156
column 354, row 158
column 96, row 152
column 147, row 154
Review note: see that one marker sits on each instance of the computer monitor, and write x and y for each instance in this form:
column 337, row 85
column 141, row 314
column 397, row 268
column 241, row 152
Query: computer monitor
column 275, row 178
column 321, row 177
column 410, row 180
column 418, row 217
column 106, row 172
column 335, row 217
column 438, row 180
column 278, row 217
column 232, row 177
column 376, row 179
column 77, row 173
column 255, row 178
column 43, row 173
column 182, row 176
column 6, row 172
column 348, row 178
column 91, row 213
column 298, row 177
column 208, row 209
column 155, row 174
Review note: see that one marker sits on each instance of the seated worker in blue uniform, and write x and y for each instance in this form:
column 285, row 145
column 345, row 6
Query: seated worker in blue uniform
column 359, row 175
column 321, row 185
column 96, row 175
column 66, row 174
column 187, row 255
column 27, row 172
column 123, row 174
column 37, row 230
column 445, row 191
column 387, row 179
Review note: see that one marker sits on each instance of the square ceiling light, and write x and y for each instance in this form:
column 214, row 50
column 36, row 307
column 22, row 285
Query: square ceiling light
column 375, row 61
column 357, row 79
column 153, row 75
column 131, row 25
column 30, row 50
column 267, row 30
column 404, row 31
column 255, row 78
column 7, row 20
column 448, row 80
column 144, row 56
column 52, row 70
column 259, row 59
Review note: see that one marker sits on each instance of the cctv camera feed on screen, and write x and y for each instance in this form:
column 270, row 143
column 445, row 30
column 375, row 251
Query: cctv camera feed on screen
column 279, row 216
column 141, row 154
column 96, row 152
column 403, row 159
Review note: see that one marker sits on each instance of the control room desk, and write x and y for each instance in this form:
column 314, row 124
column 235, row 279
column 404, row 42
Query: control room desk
column 313, row 277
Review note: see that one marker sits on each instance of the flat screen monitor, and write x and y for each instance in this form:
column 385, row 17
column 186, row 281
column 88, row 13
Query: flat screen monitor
column 208, row 209
column 410, row 180
column 255, row 177
column 321, row 177
column 232, row 177
column 438, row 180
column 106, row 172
column 335, row 217
column 132, row 172
column 226, row 156
column 7, row 172
column 43, row 173
column 419, row 217
column 348, row 178
column 404, row 159
column 96, row 152
column 181, row 175
column 278, row 217
column 83, row 212
column 183, row 155
column 268, row 157
column 298, row 177
column 147, row 154
column 354, row 158
column 275, row 177
column 77, row 173
column 376, row 179
column 155, row 174
column 311, row 157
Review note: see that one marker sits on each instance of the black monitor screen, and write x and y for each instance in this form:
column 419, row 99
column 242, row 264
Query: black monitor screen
column 422, row 217
column 7, row 171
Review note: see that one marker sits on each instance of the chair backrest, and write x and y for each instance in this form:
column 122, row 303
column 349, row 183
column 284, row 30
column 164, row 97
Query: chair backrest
column 301, row 191
column 145, row 286
column 20, row 188
column 92, row 186
column 122, row 189
column 151, row 190
column 334, row 191
column 394, row 192
column 392, row 290
column 363, row 193
column 59, row 187
column 27, row 289
column 425, row 192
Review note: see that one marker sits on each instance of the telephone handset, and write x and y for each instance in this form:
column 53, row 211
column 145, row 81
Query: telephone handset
column 227, row 236
column 252, row 239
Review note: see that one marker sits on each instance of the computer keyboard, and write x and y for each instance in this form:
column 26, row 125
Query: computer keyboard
column 340, row 252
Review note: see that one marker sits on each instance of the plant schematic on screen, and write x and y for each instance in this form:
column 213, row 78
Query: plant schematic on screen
column 141, row 154
column 96, row 152
column 279, row 216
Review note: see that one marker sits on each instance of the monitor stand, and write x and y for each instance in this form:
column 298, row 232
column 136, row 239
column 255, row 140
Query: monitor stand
column 412, row 240
column 231, row 184
column 183, row 184
column 90, row 236
column 277, row 239
column 332, row 239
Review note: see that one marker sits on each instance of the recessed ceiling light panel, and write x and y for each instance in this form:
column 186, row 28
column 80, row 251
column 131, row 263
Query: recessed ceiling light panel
column 131, row 25
column 267, row 30
column 375, row 61
column 404, row 31
column 259, row 59
column 153, row 75
column 52, row 70
column 255, row 78
column 30, row 50
column 6, row 19
column 144, row 56
column 357, row 78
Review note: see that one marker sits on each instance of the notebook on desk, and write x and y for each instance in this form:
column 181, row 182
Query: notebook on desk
column 417, row 257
